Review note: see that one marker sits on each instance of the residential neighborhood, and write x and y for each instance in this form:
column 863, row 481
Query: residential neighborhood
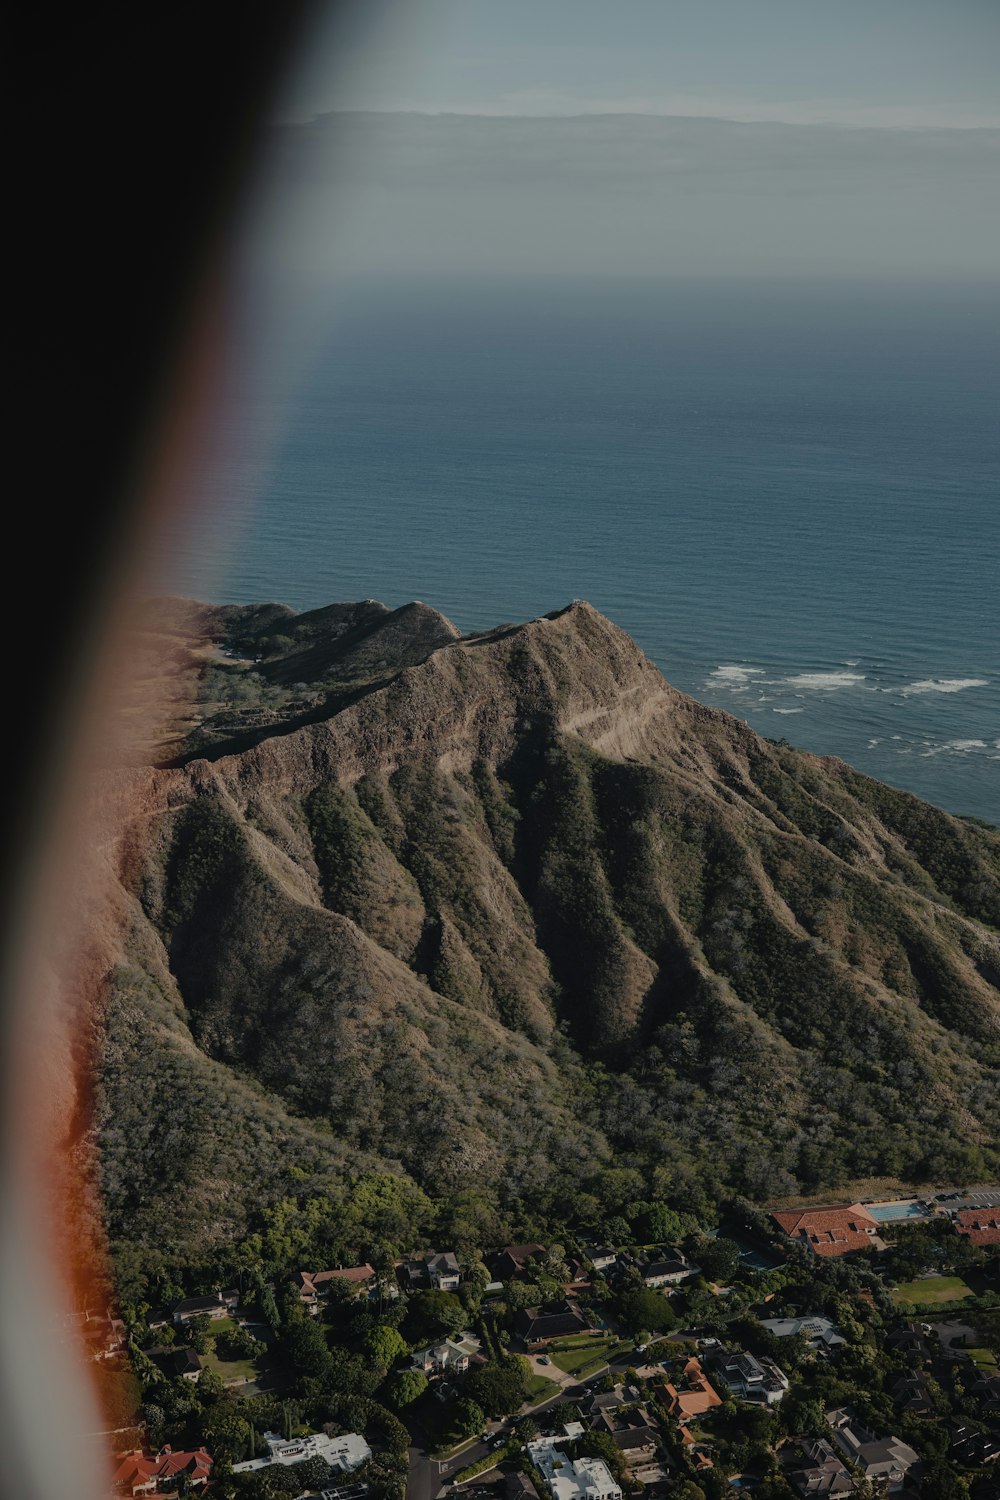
column 785, row 1352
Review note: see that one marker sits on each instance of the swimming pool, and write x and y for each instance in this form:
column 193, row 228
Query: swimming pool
column 911, row 1208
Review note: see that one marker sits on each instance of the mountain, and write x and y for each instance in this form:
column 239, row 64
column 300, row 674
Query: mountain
column 468, row 934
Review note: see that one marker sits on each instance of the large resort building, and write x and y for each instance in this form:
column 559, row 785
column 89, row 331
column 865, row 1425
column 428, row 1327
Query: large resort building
column 832, row 1231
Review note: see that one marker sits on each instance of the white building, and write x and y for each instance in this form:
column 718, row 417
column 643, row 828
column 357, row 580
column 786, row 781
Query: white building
column 751, row 1379
column 819, row 1331
column 449, row 1357
column 572, row 1479
column 346, row 1452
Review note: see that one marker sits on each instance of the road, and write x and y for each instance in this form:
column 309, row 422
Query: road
column 427, row 1475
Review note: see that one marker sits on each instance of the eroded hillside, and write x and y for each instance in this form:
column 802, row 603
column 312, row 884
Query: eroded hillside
column 509, row 915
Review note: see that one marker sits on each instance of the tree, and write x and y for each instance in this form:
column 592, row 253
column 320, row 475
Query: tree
column 498, row 1387
column 940, row 1482
column 719, row 1259
column 469, row 1417
column 643, row 1310
column 227, row 1433
column 312, row 1474
column 686, row 1489
column 660, row 1223
column 403, row 1388
column 211, row 1386
column 434, row 1313
column 602, row 1445
column 384, row 1345
column 307, row 1350
column 198, row 1331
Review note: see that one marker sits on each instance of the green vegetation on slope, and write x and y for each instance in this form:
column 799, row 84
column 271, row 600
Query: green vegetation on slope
column 530, row 977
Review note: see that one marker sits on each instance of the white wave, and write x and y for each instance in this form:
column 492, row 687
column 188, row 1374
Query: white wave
column 735, row 676
column 825, row 681
column 873, row 743
column 786, row 710
column 850, row 663
column 943, row 685
column 957, row 747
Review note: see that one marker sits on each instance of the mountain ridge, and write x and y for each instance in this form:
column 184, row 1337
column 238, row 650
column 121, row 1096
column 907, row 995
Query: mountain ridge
column 521, row 866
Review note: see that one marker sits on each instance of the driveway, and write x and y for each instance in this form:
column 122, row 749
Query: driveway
column 427, row 1475
column 955, row 1333
column 549, row 1371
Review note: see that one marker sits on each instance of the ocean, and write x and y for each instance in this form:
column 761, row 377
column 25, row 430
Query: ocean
column 787, row 493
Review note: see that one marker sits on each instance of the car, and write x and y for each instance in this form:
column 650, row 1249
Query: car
column 543, row 1359
column 499, row 1440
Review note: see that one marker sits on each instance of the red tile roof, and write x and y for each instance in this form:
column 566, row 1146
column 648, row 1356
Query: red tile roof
column 830, row 1231
column 980, row 1225
column 311, row 1280
column 134, row 1468
column 137, row 1468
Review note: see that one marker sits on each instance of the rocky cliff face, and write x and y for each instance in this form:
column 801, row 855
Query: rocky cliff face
column 504, row 912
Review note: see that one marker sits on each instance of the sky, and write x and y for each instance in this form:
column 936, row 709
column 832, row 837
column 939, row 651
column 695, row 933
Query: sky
column 736, row 138
column 849, row 62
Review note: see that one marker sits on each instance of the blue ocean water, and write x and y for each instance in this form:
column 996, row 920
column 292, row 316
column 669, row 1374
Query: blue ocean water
column 786, row 493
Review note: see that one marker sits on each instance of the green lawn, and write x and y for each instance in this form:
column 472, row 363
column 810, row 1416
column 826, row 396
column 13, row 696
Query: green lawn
column 930, row 1289
column 588, row 1355
column 540, row 1388
column 576, row 1341
column 230, row 1370
column 984, row 1358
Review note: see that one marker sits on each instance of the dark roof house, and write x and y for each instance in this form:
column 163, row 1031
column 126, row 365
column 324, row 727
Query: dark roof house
column 816, row 1471
column 554, row 1320
column 513, row 1262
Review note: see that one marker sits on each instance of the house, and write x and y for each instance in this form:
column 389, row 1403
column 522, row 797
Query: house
column 696, row 1451
column 518, row 1486
column 912, row 1394
column 314, row 1286
column 449, row 1357
column 632, row 1431
column 815, row 1470
column 572, row 1479
column 514, row 1262
column 818, row 1331
column 183, row 1362
column 980, row 1225
column 536, row 1325
column 909, row 1343
column 139, row 1473
column 438, row 1268
column 104, row 1336
column 690, row 1394
column 444, row 1272
column 751, row 1379
column 969, row 1446
column 219, row 1305
column 601, row 1257
column 887, row 1459
column 670, row 1271
column 346, row 1452
column 832, row 1231
column 986, row 1390
column 609, row 1401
